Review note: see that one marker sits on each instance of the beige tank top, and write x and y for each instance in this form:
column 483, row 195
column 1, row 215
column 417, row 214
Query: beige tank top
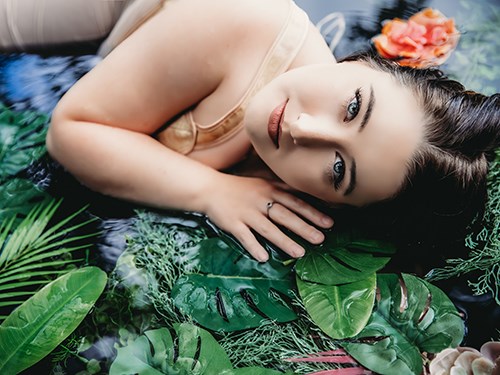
column 184, row 134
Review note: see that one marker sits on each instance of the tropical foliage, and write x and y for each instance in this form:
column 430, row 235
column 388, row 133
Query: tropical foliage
column 410, row 317
column 231, row 291
column 193, row 351
column 340, row 302
column 36, row 327
column 33, row 253
column 36, row 249
column 22, row 139
column 484, row 242
column 17, row 198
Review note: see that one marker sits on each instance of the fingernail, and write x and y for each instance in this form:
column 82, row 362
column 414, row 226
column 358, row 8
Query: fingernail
column 299, row 252
column 262, row 258
column 327, row 221
column 317, row 237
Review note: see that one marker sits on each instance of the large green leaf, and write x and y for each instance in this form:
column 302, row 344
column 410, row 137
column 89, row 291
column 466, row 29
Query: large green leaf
column 22, row 139
column 342, row 259
column 411, row 316
column 36, row 327
column 17, row 197
column 340, row 311
column 233, row 291
column 194, row 352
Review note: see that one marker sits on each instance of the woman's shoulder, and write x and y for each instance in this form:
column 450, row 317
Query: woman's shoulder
column 242, row 19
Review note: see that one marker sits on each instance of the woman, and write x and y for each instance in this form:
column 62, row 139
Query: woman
column 187, row 89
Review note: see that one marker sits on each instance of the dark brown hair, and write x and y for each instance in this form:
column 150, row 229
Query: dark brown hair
column 447, row 174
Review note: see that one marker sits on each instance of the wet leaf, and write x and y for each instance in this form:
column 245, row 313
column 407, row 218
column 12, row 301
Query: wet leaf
column 343, row 259
column 17, row 197
column 233, row 291
column 340, row 311
column 22, row 139
column 36, row 327
column 411, row 316
column 194, row 351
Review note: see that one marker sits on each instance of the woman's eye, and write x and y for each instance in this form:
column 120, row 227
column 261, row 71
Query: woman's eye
column 353, row 107
column 338, row 171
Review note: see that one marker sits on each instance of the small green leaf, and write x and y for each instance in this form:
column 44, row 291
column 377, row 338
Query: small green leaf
column 36, row 327
column 343, row 260
column 22, row 139
column 340, row 311
column 18, row 197
column 234, row 292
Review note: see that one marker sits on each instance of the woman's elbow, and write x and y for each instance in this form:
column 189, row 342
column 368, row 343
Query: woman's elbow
column 54, row 137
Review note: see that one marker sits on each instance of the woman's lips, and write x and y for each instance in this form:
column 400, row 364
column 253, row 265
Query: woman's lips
column 275, row 121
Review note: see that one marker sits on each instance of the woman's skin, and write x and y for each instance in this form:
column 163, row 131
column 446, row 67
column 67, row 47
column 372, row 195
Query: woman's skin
column 347, row 131
column 181, row 58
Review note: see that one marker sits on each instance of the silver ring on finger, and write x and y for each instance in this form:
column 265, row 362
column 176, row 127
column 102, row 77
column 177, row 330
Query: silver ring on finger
column 269, row 205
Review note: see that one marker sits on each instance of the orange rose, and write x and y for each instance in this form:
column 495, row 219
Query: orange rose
column 426, row 39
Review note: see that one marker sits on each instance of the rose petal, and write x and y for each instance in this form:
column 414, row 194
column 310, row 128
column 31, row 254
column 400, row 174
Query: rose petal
column 429, row 17
column 426, row 39
column 437, row 35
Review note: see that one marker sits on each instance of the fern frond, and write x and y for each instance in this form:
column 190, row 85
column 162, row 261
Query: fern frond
column 32, row 254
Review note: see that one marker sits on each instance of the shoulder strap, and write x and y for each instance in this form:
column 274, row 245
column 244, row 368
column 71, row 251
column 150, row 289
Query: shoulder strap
column 184, row 135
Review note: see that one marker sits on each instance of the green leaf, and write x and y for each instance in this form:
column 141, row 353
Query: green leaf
column 234, row 292
column 18, row 197
column 36, row 327
column 195, row 352
column 22, row 139
column 411, row 316
column 343, row 259
column 340, row 311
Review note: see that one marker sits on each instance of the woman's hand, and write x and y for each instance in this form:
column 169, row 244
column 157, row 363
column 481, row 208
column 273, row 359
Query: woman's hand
column 239, row 205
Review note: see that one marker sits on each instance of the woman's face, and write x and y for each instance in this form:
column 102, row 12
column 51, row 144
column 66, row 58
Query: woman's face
column 344, row 133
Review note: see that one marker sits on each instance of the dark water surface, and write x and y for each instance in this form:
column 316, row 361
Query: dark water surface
column 36, row 82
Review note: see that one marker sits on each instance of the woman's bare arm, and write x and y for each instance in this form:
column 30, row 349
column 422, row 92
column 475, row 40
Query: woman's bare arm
column 100, row 130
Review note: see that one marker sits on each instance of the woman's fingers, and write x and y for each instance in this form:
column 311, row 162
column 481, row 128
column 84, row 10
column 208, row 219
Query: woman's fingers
column 268, row 230
column 272, row 233
column 247, row 239
column 281, row 215
column 245, row 207
column 289, row 212
column 303, row 209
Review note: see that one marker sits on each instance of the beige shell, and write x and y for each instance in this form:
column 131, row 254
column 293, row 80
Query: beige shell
column 468, row 361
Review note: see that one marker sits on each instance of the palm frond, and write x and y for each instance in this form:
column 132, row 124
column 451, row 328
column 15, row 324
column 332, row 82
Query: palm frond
column 33, row 253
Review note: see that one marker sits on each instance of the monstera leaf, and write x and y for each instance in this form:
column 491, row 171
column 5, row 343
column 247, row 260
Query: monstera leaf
column 233, row 291
column 17, row 197
column 36, row 327
column 342, row 259
column 195, row 352
column 340, row 311
column 22, row 139
column 410, row 316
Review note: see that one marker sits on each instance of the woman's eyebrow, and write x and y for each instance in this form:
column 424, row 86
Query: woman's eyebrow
column 352, row 179
column 369, row 109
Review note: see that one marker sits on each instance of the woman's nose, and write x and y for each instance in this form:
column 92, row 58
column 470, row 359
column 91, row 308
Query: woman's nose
column 314, row 130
